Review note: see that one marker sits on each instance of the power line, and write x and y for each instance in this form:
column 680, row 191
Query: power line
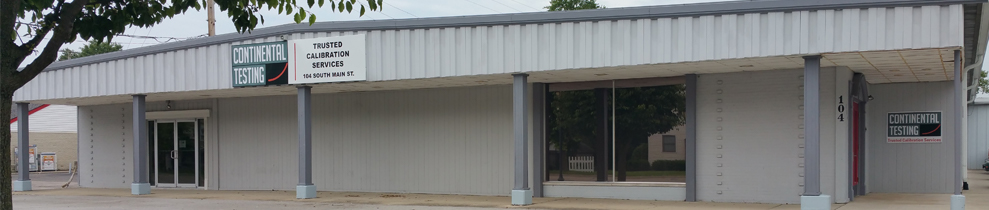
column 499, row 2
column 400, row 9
column 526, row 5
column 472, row 2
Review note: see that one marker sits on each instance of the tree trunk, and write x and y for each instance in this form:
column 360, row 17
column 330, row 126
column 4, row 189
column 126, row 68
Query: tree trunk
column 621, row 161
column 601, row 131
column 6, row 201
column 564, row 163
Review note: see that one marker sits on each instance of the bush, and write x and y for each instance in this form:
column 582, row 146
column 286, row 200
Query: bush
column 669, row 165
column 640, row 159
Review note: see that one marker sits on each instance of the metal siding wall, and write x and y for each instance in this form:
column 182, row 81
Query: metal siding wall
column 415, row 54
column 978, row 135
column 105, row 146
column 52, row 119
column 909, row 168
column 454, row 141
column 733, row 118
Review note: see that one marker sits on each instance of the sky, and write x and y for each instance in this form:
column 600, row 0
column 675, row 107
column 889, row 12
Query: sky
column 193, row 23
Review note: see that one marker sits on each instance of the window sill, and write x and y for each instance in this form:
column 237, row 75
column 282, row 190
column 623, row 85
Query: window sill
column 616, row 184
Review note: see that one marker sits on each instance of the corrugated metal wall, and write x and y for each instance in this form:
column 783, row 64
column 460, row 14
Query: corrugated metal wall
column 978, row 135
column 52, row 119
column 105, row 146
column 463, row 51
column 741, row 117
column 910, row 168
column 453, row 140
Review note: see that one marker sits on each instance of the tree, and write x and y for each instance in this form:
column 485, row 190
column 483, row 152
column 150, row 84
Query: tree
column 60, row 22
column 565, row 5
column 642, row 112
column 93, row 48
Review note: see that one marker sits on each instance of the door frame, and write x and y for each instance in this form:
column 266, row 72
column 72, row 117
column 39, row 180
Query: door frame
column 185, row 115
column 175, row 144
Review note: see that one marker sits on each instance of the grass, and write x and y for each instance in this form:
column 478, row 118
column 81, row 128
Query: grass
column 629, row 173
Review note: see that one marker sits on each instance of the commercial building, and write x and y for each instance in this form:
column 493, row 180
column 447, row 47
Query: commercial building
column 798, row 101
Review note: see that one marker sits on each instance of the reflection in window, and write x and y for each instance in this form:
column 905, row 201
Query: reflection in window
column 669, row 143
column 623, row 134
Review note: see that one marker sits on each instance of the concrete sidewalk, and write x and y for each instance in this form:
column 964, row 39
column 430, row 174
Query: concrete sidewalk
column 977, row 198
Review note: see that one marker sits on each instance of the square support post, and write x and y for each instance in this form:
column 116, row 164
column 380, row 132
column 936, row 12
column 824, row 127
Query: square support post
column 140, row 185
column 958, row 200
column 521, row 194
column 691, row 125
column 23, row 182
column 305, row 189
column 539, row 92
column 812, row 198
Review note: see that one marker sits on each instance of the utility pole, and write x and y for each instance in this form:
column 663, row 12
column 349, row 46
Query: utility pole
column 212, row 18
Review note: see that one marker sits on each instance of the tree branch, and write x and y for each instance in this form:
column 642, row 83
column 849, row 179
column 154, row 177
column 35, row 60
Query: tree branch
column 62, row 32
column 8, row 49
column 40, row 34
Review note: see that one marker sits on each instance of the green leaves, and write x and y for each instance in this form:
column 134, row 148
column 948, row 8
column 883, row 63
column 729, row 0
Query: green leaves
column 312, row 19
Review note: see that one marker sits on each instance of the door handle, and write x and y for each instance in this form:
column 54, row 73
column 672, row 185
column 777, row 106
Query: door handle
column 173, row 154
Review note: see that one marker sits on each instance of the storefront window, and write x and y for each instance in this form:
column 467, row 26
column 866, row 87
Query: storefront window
column 632, row 134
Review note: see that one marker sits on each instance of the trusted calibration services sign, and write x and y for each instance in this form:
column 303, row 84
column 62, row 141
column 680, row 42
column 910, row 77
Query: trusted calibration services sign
column 913, row 127
column 327, row 59
column 259, row 64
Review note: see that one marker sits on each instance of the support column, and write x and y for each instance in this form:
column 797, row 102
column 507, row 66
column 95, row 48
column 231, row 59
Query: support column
column 812, row 198
column 305, row 189
column 521, row 194
column 140, row 185
column 23, row 182
column 539, row 92
column 691, row 126
column 958, row 200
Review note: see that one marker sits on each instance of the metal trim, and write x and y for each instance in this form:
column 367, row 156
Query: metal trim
column 648, row 12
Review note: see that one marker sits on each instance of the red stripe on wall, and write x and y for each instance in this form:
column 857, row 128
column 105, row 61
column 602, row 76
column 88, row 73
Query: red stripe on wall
column 12, row 121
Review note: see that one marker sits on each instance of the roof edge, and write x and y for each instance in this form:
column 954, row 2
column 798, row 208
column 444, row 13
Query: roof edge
column 665, row 11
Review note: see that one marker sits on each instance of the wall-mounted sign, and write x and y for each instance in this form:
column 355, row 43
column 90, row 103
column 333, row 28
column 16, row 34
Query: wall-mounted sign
column 259, row 64
column 913, row 127
column 327, row 59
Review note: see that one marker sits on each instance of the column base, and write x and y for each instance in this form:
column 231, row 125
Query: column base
column 957, row 202
column 521, row 197
column 140, row 188
column 820, row 202
column 20, row 186
column 305, row 191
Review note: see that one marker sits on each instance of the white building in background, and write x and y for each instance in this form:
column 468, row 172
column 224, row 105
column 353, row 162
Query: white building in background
column 779, row 97
column 52, row 130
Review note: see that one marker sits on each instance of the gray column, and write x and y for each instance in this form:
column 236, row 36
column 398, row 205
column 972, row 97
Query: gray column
column 140, row 185
column 521, row 126
column 23, row 182
column 23, row 143
column 812, row 125
column 538, row 137
column 521, row 195
column 305, row 189
column 691, row 126
column 959, row 108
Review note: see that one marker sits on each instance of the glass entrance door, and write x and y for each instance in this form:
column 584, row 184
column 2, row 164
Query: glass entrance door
column 176, row 153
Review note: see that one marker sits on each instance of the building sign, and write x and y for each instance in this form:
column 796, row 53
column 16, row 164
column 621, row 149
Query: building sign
column 913, row 127
column 259, row 64
column 327, row 59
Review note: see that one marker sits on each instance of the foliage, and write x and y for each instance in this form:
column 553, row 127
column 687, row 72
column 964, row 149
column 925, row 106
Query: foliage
column 669, row 165
column 93, row 48
column 639, row 161
column 57, row 22
column 565, row 5
column 983, row 83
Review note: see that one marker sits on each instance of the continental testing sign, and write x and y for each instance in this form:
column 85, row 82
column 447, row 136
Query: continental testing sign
column 914, row 127
column 327, row 59
column 259, row 64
